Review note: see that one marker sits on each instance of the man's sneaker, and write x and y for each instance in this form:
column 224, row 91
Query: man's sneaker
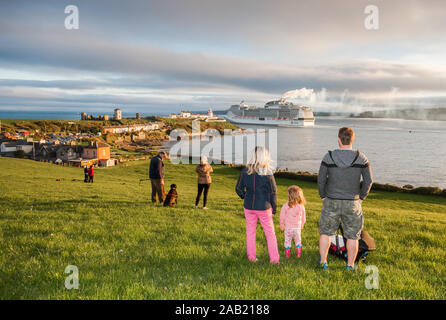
column 324, row 265
column 351, row 268
column 299, row 251
column 287, row 253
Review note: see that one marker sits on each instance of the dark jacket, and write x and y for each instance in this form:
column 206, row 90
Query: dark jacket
column 340, row 175
column 258, row 191
column 156, row 170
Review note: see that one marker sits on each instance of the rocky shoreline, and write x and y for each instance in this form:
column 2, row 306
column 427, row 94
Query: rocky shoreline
column 307, row 176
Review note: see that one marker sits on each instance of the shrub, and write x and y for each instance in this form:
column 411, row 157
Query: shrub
column 427, row 190
column 19, row 154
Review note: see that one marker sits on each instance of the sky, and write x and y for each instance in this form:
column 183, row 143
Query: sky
column 165, row 56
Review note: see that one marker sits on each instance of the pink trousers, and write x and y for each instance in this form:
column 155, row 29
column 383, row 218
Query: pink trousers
column 266, row 220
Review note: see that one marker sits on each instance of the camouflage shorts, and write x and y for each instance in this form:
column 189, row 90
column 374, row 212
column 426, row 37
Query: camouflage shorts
column 348, row 211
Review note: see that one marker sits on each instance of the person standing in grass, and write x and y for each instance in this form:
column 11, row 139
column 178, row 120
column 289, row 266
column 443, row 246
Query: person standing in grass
column 292, row 219
column 90, row 174
column 339, row 183
column 257, row 186
column 86, row 177
column 156, row 175
column 204, row 170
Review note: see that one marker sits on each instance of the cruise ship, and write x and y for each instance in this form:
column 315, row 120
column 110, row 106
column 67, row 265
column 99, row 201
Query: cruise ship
column 275, row 113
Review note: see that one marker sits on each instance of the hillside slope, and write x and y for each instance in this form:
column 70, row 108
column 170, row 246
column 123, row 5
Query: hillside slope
column 127, row 248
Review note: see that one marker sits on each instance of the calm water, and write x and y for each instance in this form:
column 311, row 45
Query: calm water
column 400, row 151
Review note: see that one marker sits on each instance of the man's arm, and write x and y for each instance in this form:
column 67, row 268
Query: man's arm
column 161, row 170
column 322, row 180
column 367, row 182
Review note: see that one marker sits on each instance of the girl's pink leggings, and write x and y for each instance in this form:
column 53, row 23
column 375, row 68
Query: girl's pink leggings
column 266, row 220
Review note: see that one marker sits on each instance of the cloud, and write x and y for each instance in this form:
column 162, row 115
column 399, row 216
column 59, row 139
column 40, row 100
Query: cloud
column 203, row 52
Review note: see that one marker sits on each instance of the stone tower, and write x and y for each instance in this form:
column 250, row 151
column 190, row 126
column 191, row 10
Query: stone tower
column 118, row 114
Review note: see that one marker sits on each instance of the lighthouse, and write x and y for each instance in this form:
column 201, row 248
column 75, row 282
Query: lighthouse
column 210, row 113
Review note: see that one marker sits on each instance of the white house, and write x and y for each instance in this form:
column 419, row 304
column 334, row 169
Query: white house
column 185, row 114
column 8, row 147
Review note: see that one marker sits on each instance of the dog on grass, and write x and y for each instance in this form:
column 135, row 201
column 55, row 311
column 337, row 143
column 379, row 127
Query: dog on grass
column 171, row 197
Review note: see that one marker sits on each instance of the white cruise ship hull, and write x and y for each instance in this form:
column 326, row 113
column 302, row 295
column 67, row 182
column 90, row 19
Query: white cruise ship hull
column 269, row 121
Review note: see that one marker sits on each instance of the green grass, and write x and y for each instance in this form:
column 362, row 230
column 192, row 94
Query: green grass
column 127, row 248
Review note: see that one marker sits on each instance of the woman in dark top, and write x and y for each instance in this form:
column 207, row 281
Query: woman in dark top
column 257, row 186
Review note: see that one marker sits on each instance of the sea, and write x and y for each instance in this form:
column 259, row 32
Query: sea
column 400, row 151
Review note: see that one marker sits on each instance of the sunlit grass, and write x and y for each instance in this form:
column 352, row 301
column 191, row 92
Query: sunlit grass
column 127, row 248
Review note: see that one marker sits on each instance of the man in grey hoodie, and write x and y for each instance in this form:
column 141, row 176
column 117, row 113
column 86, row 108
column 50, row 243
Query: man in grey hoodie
column 339, row 183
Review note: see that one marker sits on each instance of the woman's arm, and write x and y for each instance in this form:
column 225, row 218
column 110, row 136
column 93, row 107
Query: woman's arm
column 273, row 193
column 240, row 187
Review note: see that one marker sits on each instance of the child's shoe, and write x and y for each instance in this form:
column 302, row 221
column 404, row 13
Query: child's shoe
column 299, row 251
column 287, row 253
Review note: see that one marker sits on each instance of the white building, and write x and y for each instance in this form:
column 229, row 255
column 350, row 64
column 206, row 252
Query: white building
column 185, row 114
column 132, row 128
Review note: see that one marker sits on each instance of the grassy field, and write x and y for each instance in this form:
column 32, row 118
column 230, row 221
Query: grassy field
column 127, row 248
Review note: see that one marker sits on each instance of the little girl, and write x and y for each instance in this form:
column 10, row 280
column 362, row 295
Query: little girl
column 292, row 219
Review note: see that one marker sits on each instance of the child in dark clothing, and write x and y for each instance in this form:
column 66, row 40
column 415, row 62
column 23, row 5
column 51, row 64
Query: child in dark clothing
column 85, row 174
column 171, row 197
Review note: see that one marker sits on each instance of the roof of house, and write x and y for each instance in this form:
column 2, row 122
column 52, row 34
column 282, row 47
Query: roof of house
column 97, row 144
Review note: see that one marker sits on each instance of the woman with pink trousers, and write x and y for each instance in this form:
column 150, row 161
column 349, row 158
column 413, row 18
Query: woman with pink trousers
column 256, row 185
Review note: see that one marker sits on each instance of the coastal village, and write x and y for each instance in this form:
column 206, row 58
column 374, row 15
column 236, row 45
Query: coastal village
column 113, row 140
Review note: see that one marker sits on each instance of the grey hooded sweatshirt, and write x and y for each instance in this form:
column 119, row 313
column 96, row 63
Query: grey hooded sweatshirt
column 340, row 175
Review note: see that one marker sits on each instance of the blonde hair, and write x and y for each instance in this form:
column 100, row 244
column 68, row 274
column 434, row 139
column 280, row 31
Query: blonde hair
column 204, row 160
column 260, row 161
column 295, row 196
